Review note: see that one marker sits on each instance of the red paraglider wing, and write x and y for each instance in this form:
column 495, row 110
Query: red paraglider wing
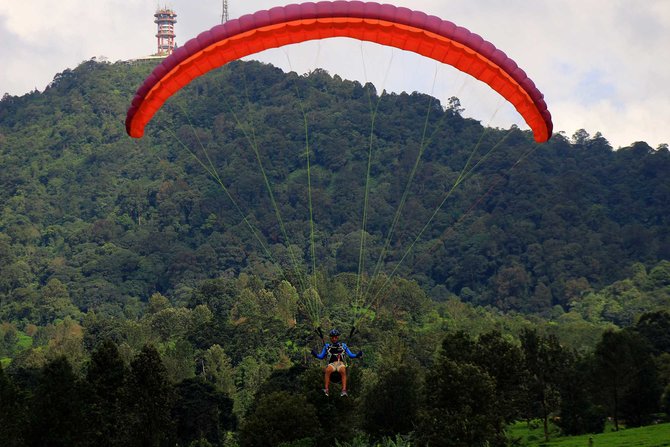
column 387, row 25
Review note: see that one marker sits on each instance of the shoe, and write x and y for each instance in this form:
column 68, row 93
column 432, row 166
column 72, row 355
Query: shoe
column 344, row 393
column 325, row 391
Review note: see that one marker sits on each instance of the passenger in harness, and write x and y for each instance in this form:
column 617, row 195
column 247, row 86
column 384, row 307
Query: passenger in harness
column 335, row 352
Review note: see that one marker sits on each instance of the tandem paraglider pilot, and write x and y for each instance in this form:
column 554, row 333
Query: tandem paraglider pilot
column 335, row 352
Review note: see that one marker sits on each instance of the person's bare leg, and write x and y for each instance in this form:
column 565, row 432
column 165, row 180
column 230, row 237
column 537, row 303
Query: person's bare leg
column 343, row 373
column 329, row 371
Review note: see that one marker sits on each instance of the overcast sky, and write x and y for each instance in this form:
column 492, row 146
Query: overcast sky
column 603, row 65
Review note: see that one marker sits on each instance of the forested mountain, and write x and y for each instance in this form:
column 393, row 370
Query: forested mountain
column 194, row 264
column 115, row 219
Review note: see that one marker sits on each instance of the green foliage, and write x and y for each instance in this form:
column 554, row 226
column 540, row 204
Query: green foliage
column 250, row 376
column 279, row 417
column 459, row 409
column 56, row 407
column 201, row 412
column 629, row 377
column 94, row 219
column 109, row 245
column 579, row 387
column 106, row 380
column 391, row 405
column 149, row 401
column 655, row 328
column 218, row 370
column 546, row 362
column 11, row 413
column 473, row 388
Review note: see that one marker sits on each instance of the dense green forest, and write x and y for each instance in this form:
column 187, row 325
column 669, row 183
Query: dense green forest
column 166, row 290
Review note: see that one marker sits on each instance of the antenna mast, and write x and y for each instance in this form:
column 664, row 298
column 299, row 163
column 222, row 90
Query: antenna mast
column 224, row 12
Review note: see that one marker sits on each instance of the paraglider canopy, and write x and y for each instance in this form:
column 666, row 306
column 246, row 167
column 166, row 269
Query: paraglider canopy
column 385, row 24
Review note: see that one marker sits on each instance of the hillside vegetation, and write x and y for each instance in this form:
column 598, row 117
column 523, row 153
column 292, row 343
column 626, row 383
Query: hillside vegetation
column 166, row 290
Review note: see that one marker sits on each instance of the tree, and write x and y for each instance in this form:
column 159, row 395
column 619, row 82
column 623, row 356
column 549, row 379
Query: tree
column 249, row 376
column 391, row 405
column 655, row 328
column 503, row 361
column 201, row 412
column 287, row 302
column 665, row 400
column 179, row 360
column 56, row 407
column 579, row 413
column 581, row 137
column 338, row 417
column 218, row 370
column 157, row 303
column 55, row 302
column 279, row 417
column 545, row 362
column 458, row 407
column 454, row 106
column 148, row 401
column 11, row 412
column 66, row 340
column 105, row 380
column 627, row 374
column 511, row 287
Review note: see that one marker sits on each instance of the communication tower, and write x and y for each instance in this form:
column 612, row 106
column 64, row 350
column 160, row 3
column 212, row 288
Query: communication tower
column 165, row 19
column 224, row 12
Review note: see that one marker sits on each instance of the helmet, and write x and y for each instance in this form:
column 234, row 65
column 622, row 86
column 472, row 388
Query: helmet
column 334, row 333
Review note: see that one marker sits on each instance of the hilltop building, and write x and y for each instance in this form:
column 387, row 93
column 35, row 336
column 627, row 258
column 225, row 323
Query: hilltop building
column 165, row 20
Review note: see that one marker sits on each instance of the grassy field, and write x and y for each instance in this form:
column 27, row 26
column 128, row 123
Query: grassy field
column 650, row 436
